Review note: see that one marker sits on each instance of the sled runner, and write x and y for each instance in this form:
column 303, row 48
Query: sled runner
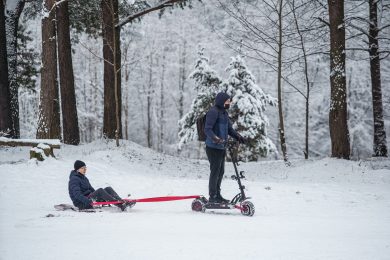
column 68, row 207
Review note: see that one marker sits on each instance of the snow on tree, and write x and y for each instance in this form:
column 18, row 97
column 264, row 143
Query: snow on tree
column 207, row 85
column 247, row 111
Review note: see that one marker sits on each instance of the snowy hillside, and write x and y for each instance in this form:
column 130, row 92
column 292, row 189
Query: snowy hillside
column 322, row 209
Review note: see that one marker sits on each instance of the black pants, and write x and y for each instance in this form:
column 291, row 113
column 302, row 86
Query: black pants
column 106, row 194
column 217, row 169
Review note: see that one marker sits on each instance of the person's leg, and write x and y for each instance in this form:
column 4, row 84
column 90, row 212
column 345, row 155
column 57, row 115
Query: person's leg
column 111, row 191
column 116, row 196
column 215, row 159
column 101, row 195
column 220, row 177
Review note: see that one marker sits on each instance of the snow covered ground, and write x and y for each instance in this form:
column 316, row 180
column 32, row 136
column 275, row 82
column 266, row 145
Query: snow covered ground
column 320, row 209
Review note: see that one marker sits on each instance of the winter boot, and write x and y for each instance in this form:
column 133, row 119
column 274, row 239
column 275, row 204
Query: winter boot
column 214, row 199
column 221, row 199
column 130, row 204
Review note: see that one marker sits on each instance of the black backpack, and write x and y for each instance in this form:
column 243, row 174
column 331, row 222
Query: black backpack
column 200, row 123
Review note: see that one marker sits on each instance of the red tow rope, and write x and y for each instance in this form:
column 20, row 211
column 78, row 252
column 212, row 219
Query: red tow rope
column 154, row 199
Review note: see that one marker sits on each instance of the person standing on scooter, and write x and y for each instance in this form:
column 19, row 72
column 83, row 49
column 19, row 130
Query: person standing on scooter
column 217, row 128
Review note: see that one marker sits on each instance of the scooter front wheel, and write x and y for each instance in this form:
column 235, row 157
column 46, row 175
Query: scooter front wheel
column 247, row 208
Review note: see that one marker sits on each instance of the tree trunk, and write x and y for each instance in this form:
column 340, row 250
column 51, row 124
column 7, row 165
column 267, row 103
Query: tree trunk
column 112, row 126
column 12, row 24
column 280, row 101
column 49, row 125
column 149, row 103
column 5, row 112
column 126, row 107
column 306, row 72
column 182, row 78
column 68, row 97
column 380, row 144
column 338, row 123
column 161, row 143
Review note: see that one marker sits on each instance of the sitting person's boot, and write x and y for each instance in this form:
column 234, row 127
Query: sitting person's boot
column 130, row 204
column 122, row 205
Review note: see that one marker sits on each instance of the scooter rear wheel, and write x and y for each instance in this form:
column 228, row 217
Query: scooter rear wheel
column 247, row 208
column 198, row 205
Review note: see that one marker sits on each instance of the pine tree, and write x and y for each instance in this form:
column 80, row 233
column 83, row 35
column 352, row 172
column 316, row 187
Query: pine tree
column 248, row 111
column 27, row 60
column 207, row 85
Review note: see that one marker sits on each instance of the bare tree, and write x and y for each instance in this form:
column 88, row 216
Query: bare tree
column 307, row 82
column 112, row 61
column 380, row 143
column 303, row 31
column 280, row 102
column 162, row 104
column 5, row 112
column 367, row 31
column 70, row 125
column 182, row 77
column 149, row 92
column 338, row 123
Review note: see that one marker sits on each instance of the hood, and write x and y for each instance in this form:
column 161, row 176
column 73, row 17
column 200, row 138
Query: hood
column 75, row 173
column 220, row 99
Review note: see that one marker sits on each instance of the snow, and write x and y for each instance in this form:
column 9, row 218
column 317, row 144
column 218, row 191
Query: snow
column 37, row 150
column 38, row 141
column 315, row 209
column 11, row 4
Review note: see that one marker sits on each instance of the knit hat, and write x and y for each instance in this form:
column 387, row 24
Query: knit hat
column 78, row 164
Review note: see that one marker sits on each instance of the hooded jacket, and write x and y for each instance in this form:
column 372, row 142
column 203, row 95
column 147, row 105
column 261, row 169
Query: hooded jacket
column 79, row 189
column 218, row 123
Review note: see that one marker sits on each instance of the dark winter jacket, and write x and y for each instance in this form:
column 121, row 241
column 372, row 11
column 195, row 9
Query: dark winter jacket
column 79, row 189
column 218, row 123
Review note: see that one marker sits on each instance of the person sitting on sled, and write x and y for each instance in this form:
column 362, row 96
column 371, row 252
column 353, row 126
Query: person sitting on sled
column 83, row 194
column 217, row 128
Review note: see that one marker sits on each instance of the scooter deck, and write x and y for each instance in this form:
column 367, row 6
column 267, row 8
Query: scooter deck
column 211, row 205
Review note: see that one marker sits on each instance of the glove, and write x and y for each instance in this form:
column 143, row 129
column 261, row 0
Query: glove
column 218, row 140
column 241, row 139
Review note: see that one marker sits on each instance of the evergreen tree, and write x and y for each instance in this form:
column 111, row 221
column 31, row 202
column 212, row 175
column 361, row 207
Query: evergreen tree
column 27, row 60
column 207, row 85
column 247, row 112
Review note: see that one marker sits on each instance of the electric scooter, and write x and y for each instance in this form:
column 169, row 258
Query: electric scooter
column 240, row 201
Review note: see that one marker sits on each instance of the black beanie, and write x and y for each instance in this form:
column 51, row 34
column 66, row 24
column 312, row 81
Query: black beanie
column 78, row 164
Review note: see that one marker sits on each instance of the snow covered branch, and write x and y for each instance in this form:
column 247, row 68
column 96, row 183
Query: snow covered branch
column 132, row 17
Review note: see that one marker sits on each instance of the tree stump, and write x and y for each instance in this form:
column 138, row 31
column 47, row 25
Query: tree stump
column 37, row 153
column 41, row 151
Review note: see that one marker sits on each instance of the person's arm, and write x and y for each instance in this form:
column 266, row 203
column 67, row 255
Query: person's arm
column 74, row 187
column 211, row 118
